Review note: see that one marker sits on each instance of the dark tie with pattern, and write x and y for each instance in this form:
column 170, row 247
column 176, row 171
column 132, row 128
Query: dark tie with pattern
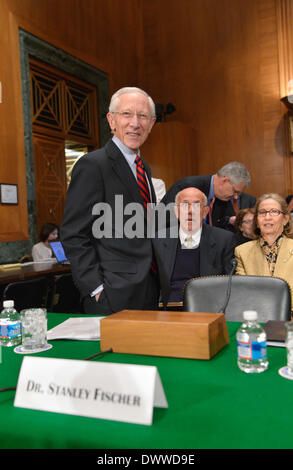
column 145, row 193
column 142, row 182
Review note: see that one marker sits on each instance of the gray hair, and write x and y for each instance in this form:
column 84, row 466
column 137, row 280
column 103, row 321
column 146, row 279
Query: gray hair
column 236, row 172
column 115, row 98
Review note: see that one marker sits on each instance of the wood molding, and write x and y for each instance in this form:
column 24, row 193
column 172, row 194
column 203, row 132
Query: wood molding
column 39, row 32
column 284, row 15
column 284, row 11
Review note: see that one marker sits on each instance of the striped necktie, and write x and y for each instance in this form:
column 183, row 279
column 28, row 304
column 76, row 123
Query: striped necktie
column 145, row 193
column 142, row 182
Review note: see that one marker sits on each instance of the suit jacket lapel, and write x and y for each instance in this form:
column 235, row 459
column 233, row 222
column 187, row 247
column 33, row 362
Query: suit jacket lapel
column 153, row 194
column 285, row 256
column 260, row 264
column 207, row 250
column 123, row 171
column 169, row 254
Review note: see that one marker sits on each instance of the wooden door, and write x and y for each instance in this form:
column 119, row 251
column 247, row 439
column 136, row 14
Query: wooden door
column 50, row 179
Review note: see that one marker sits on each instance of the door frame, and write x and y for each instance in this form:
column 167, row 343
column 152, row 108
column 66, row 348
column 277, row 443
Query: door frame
column 33, row 46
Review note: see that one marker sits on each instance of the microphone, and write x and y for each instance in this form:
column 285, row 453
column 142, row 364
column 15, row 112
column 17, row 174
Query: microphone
column 234, row 265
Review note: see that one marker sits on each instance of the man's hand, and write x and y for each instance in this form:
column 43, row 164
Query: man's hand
column 97, row 296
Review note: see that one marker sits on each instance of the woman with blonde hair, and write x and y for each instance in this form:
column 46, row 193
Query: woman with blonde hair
column 271, row 253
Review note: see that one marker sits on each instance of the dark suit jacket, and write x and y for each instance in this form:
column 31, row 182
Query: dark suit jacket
column 120, row 264
column 216, row 252
column 222, row 211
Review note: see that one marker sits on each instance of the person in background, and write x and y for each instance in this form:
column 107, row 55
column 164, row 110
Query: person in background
column 243, row 226
column 289, row 200
column 271, row 254
column 42, row 250
column 224, row 191
column 160, row 188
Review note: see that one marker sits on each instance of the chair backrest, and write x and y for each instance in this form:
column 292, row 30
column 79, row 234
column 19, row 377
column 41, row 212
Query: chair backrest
column 28, row 293
column 269, row 296
column 66, row 297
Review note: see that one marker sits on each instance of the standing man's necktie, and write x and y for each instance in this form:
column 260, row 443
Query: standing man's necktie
column 142, row 182
column 145, row 193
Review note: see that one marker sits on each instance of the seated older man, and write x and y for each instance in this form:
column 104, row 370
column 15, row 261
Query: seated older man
column 196, row 249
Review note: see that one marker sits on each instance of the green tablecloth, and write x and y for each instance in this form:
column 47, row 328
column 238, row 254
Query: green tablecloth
column 212, row 405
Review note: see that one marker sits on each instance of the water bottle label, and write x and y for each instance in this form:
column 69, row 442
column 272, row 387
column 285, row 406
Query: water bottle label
column 9, row 329
column 252, row 350
column 259, row 350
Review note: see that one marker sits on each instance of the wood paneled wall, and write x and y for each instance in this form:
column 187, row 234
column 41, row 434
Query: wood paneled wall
column 169, row 149
column 218, row 62
column 12, row 163
column 284, row 10
column 221, row 62
column 105, row 34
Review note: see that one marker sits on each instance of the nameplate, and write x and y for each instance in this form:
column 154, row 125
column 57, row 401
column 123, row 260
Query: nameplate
column 120, row 392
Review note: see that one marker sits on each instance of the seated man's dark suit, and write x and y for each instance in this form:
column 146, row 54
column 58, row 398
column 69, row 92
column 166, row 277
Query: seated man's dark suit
column 222, row 210
column 213, row 257
column 120, row 264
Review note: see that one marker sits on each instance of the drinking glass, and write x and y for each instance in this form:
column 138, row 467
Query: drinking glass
column 34, row 328
column 289, row 346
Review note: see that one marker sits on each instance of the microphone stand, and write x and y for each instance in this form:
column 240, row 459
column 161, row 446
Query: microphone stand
column 234, row 264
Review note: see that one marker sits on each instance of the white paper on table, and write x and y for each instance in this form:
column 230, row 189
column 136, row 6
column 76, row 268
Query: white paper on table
column 80, row 328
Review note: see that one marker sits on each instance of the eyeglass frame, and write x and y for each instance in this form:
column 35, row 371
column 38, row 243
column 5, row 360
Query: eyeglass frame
column 247, row 222
column 129, row 115
column 186, row 205
column 235, row 191
column 272, row 212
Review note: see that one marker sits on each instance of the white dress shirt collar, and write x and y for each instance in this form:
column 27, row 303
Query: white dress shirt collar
column 195, row 238
column 127, row 152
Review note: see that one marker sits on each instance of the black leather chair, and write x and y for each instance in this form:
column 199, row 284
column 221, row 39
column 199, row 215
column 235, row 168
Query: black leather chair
column 28, row 293
column 269, row 296
column 65, row 295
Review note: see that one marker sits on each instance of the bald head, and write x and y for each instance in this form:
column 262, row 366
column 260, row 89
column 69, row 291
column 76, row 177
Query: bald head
column 190, row 208
column 191, row 193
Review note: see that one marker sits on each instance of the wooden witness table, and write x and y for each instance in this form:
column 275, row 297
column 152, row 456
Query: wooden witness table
column 212, row 405
column 32, row 270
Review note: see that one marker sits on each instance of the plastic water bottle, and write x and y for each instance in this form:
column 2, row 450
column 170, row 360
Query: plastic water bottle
column 10, row 325
column 251, row 344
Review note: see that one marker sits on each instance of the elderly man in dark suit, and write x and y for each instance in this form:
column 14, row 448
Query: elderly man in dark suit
column 111, row 268
column 224, row 191
column 195, row 250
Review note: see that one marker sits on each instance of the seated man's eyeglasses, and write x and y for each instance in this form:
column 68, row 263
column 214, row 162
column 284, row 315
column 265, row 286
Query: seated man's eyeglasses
column 193, row 205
